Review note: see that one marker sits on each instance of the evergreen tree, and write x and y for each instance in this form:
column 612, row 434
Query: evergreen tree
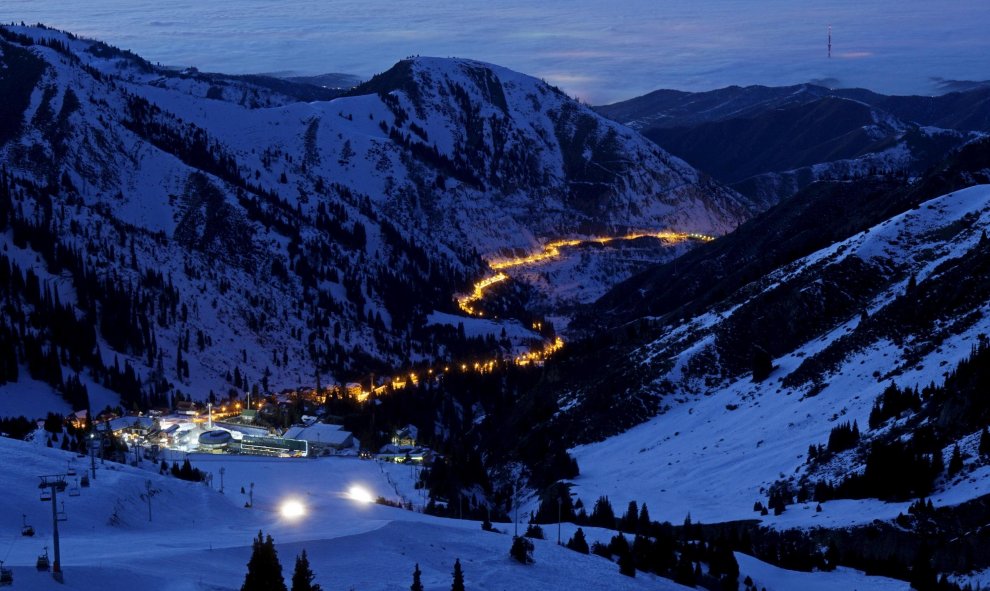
column 603, row 515
column 302, row 576
column 956, row 462
column 684, row 571
column 627, row 564
column 938, row 464
column 985, row 442
column 186, row 471
column 631, row 517
column 264, row 570
column 644, row 519
column 521, row 550
column 832, row 556
column 417, row 585
column 923, row 576
column 458, row 584
column 578, row 543
column 761, row 364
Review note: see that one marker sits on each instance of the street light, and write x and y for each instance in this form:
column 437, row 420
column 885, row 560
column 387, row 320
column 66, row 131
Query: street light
column 360, row 494
column 292, row 509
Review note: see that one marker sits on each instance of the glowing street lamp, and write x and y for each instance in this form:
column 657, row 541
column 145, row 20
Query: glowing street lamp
column 360, row 494
column 292, row 509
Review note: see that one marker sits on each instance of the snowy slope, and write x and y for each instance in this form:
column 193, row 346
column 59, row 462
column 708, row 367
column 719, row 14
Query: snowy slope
column 721, row 439
column 199, row 539
column 350, row 545
column 909, row 153
column 314, row 238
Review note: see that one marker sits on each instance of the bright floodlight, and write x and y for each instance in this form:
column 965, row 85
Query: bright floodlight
column 360, row 494
column 293, row 509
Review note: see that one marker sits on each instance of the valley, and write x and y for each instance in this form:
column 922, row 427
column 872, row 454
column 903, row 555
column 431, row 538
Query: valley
column 733, row 339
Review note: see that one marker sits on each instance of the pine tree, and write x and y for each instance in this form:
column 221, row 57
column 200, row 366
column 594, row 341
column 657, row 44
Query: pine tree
column 458, row 584
column 956, row 462
column 627, row 564
column 578, row 543
column 629, row 520
column 644, row 519
column 938, row 464
column 832, row 556
column 985, row 442
column 302, row 576
column 923, row 576
column 186, row 471
column 684, row 571
column 521, row 550
column 761, row 363
column 417, row 585
column 264, row 570
column 603, row 515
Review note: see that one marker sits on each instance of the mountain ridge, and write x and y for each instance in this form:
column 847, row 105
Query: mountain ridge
column 770, row 142
column 306, row 239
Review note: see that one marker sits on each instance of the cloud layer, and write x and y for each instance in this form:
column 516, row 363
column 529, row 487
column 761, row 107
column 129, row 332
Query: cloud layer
column 599, row 51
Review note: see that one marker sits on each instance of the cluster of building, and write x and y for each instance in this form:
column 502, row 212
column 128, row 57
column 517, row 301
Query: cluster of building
column 192, row 432
column 186, row 432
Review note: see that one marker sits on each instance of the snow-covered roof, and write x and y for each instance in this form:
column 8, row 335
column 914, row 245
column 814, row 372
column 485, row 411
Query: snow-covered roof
column 319, row 433
column 408, row 431
column 239, row 428
column 126, row 422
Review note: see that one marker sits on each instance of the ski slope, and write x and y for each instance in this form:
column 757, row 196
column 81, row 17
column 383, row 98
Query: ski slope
column 200, row 540
column 713, row 450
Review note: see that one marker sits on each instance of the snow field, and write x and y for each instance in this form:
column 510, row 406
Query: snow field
column 199, row 540
column 712, row 453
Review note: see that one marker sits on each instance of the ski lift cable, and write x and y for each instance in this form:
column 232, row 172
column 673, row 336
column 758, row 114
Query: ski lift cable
column 10, row 546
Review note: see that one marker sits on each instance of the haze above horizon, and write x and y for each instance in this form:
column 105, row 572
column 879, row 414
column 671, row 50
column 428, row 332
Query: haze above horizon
column 600, row 53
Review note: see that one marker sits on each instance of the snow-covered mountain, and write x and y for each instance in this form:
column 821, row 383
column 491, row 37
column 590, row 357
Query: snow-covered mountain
column 770, row 142
column 179, row 232
column 693, row 325
column 252, row 237
column 864, row 327
column 846, row 377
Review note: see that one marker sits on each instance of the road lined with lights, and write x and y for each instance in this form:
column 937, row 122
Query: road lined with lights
column 536, row 356
column 551, row 251
column 548, row 252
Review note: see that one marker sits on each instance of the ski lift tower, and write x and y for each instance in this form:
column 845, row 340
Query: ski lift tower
column 52, row 485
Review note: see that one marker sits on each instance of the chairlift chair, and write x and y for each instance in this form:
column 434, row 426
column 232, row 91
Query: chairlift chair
column 61, row 515
column 69, row 469
column 6, row 575
column 43, row 563
column 46, row 494
column 84, row 482
column 26, row 529
column 74, row 490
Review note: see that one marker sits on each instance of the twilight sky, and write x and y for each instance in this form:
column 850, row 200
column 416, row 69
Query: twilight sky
column 600, row 51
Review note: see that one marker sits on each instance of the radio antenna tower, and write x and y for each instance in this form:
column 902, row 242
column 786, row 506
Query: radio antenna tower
column 830, row 41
